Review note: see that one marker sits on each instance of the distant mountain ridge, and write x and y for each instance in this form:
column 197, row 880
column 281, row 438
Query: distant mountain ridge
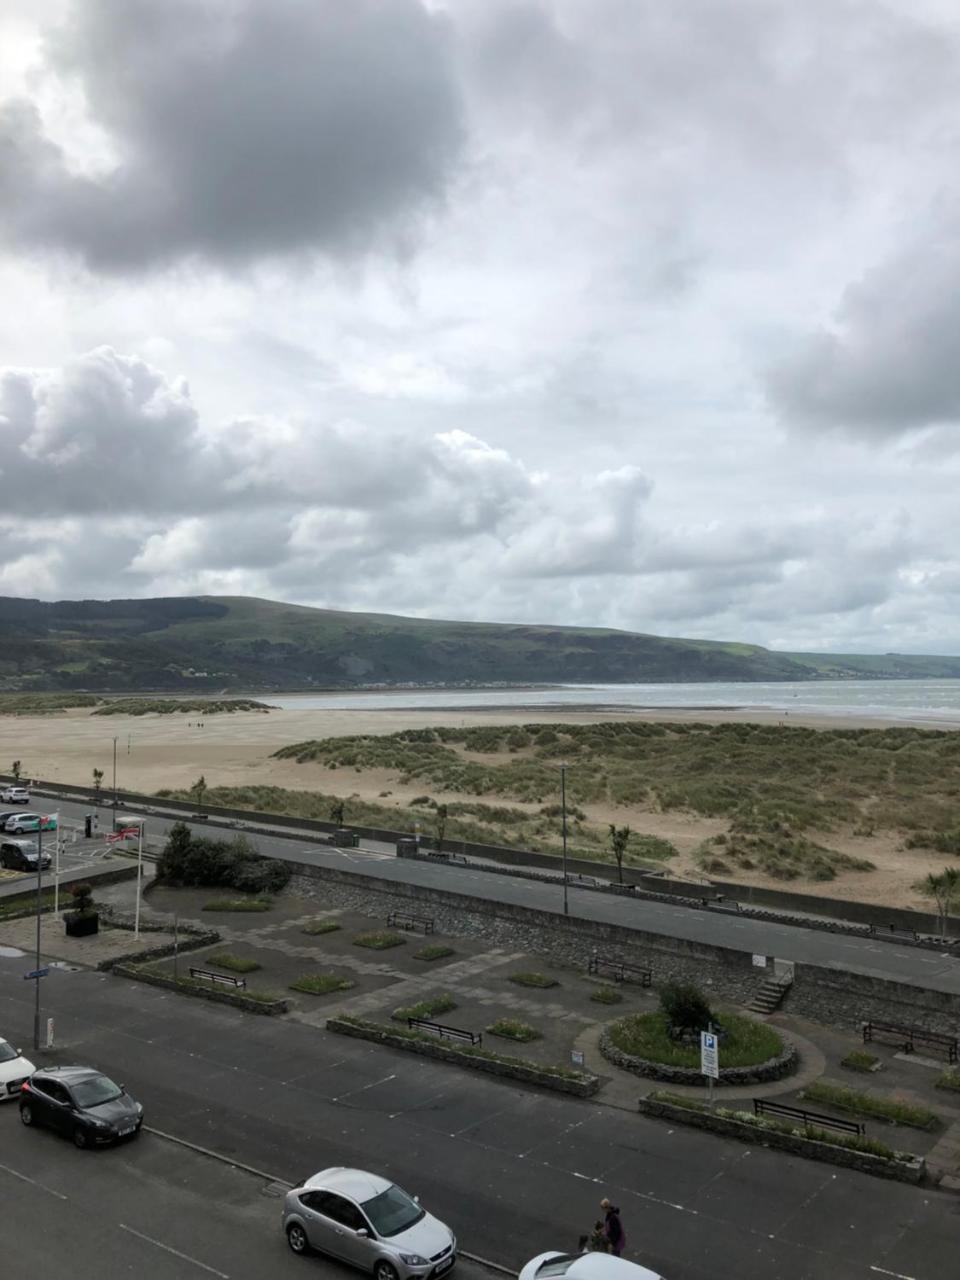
column 238, row 642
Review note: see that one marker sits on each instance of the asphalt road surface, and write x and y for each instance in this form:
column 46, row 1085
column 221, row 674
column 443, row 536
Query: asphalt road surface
column 786, row 942
column 513, row 1171
column 150, row 1209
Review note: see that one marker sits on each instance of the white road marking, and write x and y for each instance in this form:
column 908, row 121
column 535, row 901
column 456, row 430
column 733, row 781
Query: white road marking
column 372, row 1085
column 176, row 1252
column 896, row 1274
column 33, row 1182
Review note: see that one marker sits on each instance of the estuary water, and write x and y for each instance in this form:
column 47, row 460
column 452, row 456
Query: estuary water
column 934, row 702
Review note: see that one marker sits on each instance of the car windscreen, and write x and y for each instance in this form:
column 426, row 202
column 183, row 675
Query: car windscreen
column 91, row 1092
column 557, row 1266
column 392, row 1211
column 7, row 1052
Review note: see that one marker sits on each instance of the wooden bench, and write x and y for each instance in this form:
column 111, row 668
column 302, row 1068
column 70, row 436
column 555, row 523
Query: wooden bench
column 408, row 920
column 721, row 904
column 894, row 934
column 910, row 1037
column 809, row 1119
column 619, row 970
column 219, row 979
column 444, row 1032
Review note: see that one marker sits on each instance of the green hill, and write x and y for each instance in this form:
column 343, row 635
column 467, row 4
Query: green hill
column 226, row 642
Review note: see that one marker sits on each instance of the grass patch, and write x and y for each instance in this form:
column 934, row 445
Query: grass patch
column 168, row 706
column 316, row 927
column 511, row 1029
column 382, row 940
column 949, row 1080
column 840, row 1098
column 435, row 951
column 852, row 1142
column 236, row 904
column 779, row 853
column 428, row 1008
column 745, row 1044
column 236, row 964
column 606, row 995
column 859, row 1060
column 321, row 984
column 541, row 980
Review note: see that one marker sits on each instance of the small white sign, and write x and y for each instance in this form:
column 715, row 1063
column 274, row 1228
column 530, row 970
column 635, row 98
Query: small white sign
column 709, row 1055
column 760, row 962
column 576, row 1057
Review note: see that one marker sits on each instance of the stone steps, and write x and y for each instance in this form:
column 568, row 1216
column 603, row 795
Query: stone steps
column 768, row 998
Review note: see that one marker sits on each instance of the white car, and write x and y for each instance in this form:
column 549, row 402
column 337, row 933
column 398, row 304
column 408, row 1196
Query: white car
column 23, row 822
column 14, row 1069
column 366, row 1221
column 15, row 795
column 585, row 1266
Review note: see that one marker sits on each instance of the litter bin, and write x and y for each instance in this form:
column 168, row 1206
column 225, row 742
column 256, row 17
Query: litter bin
column 344, row 838
column 406, row 847
column 88, row 825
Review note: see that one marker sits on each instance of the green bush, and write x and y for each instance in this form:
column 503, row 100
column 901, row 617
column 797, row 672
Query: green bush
column 949, row 1080
column 541, row 980
column 858, row 1060
column 316, row 927
column 188, row 859
column 685, row 1007
column 321, row 984
column 435, row 951
column 236, row 904
column 511, row 1029
column 428, row 1008
column 840, row 1098
column 237, row 964
column 380, row 941
column 606, row 995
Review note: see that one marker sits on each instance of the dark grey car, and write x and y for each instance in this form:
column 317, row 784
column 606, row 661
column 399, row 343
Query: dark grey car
column 81, row 1103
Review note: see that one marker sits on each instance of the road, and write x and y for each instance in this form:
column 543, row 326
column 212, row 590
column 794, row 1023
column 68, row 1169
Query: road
column 514, row 1171
column 928, row 969
column 150, row 1209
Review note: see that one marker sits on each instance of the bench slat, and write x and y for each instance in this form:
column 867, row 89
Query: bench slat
column 443, row 1031
column 810, row 1119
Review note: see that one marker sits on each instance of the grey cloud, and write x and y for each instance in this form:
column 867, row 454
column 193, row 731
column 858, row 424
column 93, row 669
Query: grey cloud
column 889, row 363
column 241, row 130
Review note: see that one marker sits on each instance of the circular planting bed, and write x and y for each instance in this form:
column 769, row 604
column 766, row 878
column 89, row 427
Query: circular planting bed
column 750, row 1052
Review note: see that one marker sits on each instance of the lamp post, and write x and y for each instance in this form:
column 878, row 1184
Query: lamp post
column 114, row 782
column 36, row 979
column 563, row 812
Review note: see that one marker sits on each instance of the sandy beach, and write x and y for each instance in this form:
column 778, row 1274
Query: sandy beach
column 172, row 751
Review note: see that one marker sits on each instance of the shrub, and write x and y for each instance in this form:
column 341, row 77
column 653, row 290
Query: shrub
column 320, row 984
column 949, row 1080
column 542, row 980
column 428, row 1008
column 237, row 964
column 316, row 927
column 435, row 951
column 511, row 1029
column 865, row 1104
column 82, row 895
column 380, row 941
column 236, row 904
column 685, row 1007
column 858, row 1060
column 188, row 859
column 606, row 995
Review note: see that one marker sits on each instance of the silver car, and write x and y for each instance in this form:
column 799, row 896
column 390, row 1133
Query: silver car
column 368, row 1222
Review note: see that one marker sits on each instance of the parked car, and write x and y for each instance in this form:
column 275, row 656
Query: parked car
column 584, row 1266
column 14, row 1069
column 82, row 1103
column 21, row 855
column 15, row 795
column 21, row 822
column 5, row 817
column 368, row 1222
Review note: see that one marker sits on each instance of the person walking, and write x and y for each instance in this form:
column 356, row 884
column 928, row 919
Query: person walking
column 613, row 1228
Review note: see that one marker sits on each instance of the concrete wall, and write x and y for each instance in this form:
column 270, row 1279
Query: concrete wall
column 849, row 999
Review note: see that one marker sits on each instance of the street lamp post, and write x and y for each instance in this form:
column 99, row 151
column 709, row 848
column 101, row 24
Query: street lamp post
column 114, row 782
column 563, row 811
column 36, row 980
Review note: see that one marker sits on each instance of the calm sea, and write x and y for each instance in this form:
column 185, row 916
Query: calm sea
column 936, row 702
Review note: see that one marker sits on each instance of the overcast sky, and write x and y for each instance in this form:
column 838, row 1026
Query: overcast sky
column 600, row 312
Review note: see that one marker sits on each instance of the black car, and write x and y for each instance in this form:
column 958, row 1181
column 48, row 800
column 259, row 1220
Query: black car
column 82, row 1103
column 21, row 855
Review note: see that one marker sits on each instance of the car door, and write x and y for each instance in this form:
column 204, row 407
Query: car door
column 358, row 1250
column 319, row 1226
column 52, row 1103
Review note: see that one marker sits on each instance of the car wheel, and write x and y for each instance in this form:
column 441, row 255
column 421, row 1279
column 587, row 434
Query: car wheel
column 81, row 1138
column 297, row 1238
column 384, row 1270
column 26, row 1114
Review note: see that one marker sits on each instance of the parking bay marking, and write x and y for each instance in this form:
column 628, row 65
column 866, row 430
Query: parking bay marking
column 176, row 1252
column 33, row 1182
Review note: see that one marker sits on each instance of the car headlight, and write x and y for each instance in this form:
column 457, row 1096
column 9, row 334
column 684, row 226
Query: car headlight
column 139, row 1108
column 98, row 1124
column 413, row 1260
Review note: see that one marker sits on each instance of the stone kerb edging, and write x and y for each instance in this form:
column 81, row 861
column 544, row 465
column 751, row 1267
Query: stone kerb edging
column 773, row 1069
column 581, row 1083
column 194, row 940
column 271, row 1008
column 905, row 1168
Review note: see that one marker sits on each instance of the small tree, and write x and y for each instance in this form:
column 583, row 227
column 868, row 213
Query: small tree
column 97, row 783
column 942, row 889
column 619, row 839
column 15, row 770
column 82, row 895
column 337, row 813
column 685, row 1007
column 440, row 825
column 198, row 790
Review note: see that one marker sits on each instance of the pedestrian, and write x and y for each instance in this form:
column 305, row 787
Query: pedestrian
column 613, row 1228
column 598, row 1242
column 582, row 1244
